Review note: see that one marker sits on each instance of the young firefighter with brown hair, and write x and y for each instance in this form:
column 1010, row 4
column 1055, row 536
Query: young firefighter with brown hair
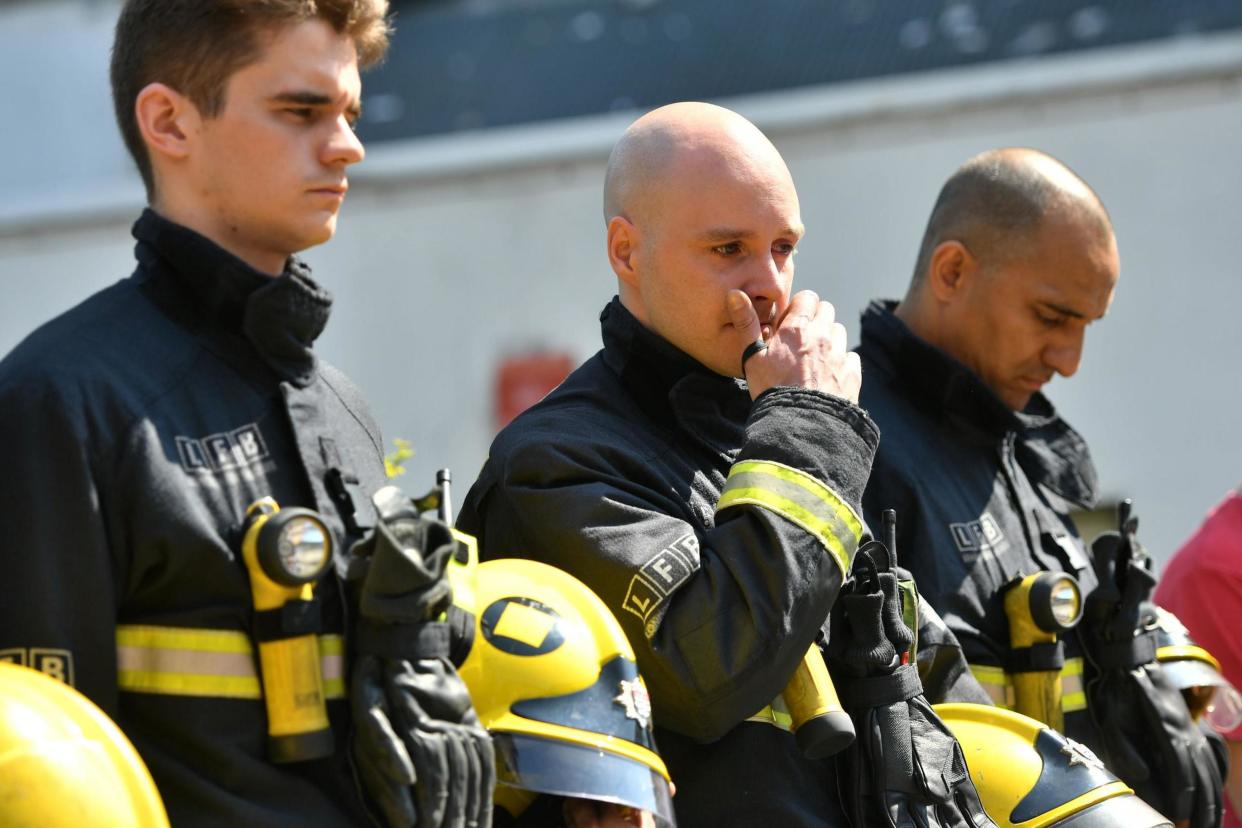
column 143, row 423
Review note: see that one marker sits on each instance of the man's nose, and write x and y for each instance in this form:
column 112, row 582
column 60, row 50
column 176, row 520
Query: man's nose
column 343, row 146
column 765, row 285
column 1065, row 354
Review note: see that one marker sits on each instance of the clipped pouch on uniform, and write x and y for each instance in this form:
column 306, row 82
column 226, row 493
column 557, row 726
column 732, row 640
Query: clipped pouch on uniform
column 905, row 768
column 1149, row 738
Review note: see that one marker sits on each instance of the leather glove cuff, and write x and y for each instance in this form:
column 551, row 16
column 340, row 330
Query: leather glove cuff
column 1126, row 655
column 860, row 694
column 405, row 642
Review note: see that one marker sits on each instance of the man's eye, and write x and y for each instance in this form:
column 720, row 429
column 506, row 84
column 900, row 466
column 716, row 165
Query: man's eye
column 730, row 249
column 783, row 249
column 302, row 113
column 1049, row 321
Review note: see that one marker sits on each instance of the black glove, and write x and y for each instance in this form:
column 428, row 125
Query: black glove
column 421, row 754
column 905, row 769
column 1148, row 736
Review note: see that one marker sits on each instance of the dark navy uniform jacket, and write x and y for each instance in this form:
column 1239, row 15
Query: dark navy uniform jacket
column 138, row 427
column 716, row 529
column 982, row 493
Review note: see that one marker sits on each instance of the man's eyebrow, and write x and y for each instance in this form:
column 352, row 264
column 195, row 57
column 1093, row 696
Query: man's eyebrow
column 308, row 98
column 1064, row 311
column 726, row 234
column 730, row 233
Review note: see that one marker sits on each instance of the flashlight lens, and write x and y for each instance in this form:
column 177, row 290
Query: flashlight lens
column 303, row 548
column 1065, row 603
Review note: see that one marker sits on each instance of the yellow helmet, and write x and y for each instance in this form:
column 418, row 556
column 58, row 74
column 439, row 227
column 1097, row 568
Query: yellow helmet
column 1029, row 775
column 554, row 680
column 64, row 764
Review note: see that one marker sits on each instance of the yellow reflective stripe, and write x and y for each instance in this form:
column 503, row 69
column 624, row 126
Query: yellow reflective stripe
column 801, row 499
column 998, row 684
column 332, row 665
column 188, row 684
column 774, row 714
column 182, row 638
column 183, row 661
column 1073, row 697
column 186, row 661
column 1073, row 702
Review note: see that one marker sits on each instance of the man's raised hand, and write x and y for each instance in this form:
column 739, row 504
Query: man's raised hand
column 806, row 348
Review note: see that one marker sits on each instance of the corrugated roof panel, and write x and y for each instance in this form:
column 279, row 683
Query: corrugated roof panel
column 475, row 64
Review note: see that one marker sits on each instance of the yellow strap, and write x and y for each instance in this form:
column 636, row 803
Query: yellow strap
column 999, row 685
column 800, row 498
column 186, row 661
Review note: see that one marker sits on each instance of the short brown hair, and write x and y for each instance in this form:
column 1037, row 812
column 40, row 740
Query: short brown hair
column 195, row 46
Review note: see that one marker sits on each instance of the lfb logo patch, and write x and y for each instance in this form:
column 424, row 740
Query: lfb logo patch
column 659, row 578
column 222, row 451
column 57, row 664
column 982, row 535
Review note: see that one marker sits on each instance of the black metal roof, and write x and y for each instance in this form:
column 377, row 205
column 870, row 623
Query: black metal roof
column 473, row 64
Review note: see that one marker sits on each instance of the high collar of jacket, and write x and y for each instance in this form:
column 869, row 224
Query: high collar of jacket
column 281, row 316
column 942, row 386
column 669, row 383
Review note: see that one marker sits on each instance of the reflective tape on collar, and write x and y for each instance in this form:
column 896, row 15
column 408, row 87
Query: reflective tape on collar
column 800, row 498
column 999, row 685
column 187, row 661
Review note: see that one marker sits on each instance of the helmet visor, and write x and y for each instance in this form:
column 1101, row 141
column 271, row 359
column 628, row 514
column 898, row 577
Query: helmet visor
column 1189, row 672
column 1206, row 691
column 1126, row 811
column 566, row 769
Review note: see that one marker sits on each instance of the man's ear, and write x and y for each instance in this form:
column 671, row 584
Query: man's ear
column 951, row 270
column 166, row 119
column 623, row 250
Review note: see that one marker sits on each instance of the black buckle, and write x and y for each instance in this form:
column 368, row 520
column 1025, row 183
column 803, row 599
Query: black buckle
column 351, row 501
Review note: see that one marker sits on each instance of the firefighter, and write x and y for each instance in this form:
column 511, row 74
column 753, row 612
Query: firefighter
column 144, row 423
column 716, row 518
column 1017, row 260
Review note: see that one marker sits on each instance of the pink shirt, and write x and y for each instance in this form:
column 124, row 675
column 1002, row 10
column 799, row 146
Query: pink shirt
column 1202, row 586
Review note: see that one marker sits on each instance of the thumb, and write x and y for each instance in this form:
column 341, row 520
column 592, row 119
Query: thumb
column 742, row 315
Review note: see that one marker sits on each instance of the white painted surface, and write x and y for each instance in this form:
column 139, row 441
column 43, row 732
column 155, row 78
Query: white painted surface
column 454, row 252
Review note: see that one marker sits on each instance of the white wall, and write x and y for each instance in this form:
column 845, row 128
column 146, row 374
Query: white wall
column 454, row 252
